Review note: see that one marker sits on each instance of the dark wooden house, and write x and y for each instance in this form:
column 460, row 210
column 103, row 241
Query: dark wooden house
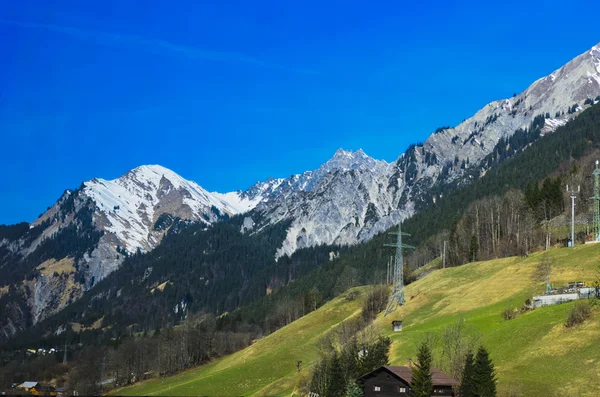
column 391, row 381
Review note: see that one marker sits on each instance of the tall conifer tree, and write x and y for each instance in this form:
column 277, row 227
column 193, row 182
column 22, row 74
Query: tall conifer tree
column 422, row 385
column 484, row 375
column 336, row 387
column 467, row 384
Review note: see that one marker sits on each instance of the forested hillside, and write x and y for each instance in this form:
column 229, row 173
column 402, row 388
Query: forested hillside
column 563, row 150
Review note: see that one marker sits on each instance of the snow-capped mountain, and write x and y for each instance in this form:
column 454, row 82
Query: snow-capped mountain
column 129, row 206
column 89, row 231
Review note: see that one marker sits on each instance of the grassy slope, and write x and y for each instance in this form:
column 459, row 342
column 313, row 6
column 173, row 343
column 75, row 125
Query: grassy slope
column 266, row 367
column 533, row 352
column 428, row 268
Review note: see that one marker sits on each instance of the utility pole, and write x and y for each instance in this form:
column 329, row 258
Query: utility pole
column 573, row 196
column 387, row 274
column 548, row 285
column 573, row 219
column 444, row 256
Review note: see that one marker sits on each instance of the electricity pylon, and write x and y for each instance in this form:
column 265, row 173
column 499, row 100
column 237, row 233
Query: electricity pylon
column 397, row 297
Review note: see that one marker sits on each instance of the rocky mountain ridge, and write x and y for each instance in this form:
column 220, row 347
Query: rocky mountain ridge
column 352, row 205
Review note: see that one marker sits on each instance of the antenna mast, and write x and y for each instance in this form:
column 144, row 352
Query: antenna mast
column 397, row 297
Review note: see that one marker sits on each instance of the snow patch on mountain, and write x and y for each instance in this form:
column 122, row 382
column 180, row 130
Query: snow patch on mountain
column 237, row 202
column 132, row 203
column 244, row 201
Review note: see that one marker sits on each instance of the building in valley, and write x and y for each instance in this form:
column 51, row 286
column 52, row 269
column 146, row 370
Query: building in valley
column 393, row 381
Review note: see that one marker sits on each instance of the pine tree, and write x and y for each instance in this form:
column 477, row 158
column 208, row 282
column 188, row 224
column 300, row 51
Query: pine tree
column 422, row 385
column 336, row 386
column 484, row 375
column 467, row 385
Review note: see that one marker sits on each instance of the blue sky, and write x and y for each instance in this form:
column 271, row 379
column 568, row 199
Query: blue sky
column 228, row 93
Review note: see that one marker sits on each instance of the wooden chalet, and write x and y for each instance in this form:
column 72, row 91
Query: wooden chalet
column 392, row 381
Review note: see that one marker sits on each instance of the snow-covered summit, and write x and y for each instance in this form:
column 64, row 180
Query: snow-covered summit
column 128, row 206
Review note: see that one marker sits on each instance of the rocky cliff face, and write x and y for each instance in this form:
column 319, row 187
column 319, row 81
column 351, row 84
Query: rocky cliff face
column 345, row 201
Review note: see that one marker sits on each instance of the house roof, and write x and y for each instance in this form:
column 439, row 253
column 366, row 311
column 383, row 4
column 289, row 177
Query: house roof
column 28, row 384
column 438, row 378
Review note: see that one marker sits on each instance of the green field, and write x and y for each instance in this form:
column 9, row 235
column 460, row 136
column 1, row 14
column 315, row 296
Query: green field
column 533, row 353
column 266, row 367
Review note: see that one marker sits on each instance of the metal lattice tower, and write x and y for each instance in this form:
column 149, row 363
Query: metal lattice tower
column 596, row 174
column 397, row 297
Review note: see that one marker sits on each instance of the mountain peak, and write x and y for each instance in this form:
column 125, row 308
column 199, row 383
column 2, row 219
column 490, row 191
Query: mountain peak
column 129, row 205
column 151, row 167
column 340, row 152
column 347, row 159
column 349, row 153
column 152, row 174
column 150, row 171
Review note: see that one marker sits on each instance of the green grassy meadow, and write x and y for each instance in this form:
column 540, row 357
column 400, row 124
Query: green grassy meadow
column 534, row 354
column 266, row 367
